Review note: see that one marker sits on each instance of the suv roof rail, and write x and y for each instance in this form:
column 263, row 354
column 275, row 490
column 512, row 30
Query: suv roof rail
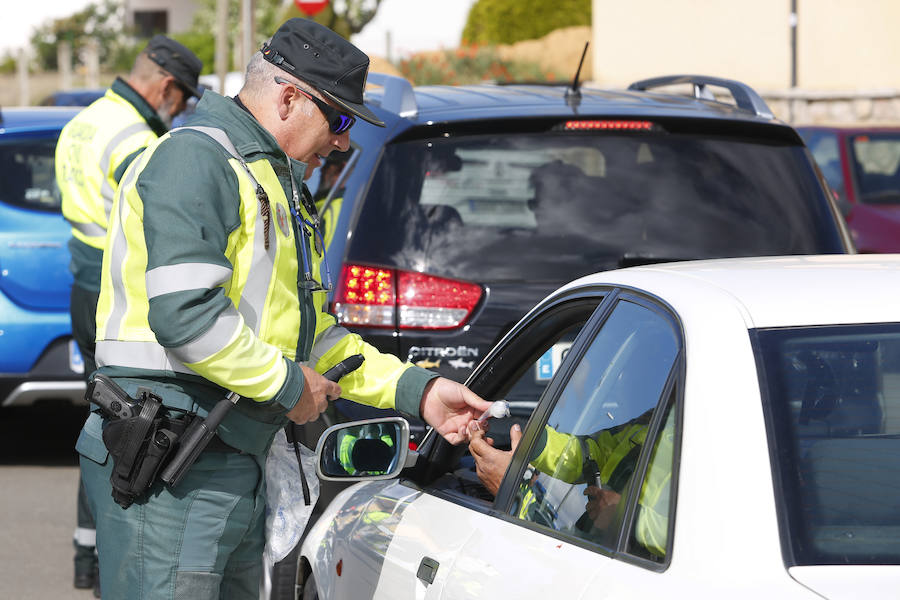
column 398, row 96
column 744, row 96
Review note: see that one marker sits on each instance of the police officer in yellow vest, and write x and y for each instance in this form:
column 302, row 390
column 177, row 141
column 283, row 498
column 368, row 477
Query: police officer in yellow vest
column 212, row 284
column 93, row 151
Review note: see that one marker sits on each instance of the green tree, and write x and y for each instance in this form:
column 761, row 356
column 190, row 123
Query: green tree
column 101, row 21
column 8, row 63
column 201, row 39
column 468, row 65
column 345, row 17
column 510, row 21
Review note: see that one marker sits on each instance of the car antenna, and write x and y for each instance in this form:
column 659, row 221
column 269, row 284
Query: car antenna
column 573, row 94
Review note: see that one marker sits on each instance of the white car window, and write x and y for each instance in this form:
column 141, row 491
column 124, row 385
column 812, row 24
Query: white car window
column 521, row 372
column 833, row 398
column 584, row 460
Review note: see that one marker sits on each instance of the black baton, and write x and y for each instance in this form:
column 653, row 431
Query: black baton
column 195, row 440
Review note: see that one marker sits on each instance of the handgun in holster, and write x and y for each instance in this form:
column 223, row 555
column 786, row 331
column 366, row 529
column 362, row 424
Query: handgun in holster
column 139, row 436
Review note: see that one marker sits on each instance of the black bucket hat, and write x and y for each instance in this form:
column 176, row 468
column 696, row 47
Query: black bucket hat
column 325, row 60
column 177, row 60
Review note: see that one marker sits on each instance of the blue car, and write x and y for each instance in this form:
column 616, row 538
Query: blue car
column 78, row 97
column 38, row 357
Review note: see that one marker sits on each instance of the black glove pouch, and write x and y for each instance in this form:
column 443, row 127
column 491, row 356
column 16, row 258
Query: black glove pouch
column 139, row 447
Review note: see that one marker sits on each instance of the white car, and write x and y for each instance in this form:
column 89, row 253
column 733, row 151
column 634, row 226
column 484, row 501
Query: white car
column 741, row 416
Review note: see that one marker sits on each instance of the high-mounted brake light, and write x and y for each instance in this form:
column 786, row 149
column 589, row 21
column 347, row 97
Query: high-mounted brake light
column 613, row 125
column 375, row 297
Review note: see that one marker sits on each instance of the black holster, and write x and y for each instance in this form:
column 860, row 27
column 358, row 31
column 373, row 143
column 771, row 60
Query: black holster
column 139, row 447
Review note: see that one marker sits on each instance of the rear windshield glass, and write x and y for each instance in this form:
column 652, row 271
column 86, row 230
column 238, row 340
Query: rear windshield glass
column 876, row 162
column 833, row 398
column 27, row 176
column 554, row 206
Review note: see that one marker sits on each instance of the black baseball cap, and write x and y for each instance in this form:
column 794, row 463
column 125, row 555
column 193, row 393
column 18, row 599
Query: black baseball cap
column 328, row 62
column 177, row 60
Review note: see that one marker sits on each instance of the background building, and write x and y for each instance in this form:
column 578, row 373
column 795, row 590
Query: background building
column 842, row 65
column 159, row 16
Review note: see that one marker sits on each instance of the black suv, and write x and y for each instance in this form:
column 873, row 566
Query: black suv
column 474, row 202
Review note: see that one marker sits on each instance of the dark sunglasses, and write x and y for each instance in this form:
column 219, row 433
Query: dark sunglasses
column 338, row 122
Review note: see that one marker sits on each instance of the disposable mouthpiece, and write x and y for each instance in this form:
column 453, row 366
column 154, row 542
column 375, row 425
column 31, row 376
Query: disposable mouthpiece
column 498, row 410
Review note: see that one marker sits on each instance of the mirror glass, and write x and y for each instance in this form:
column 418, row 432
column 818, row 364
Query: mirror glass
column 371, row 449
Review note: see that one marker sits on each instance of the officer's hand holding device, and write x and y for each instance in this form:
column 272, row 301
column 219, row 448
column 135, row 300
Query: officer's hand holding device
column 140, row 440
column 201, row 431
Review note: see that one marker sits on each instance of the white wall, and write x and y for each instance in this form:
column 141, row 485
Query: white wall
column 841, row 44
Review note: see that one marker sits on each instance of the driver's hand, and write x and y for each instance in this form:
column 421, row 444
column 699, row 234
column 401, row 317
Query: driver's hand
column 491, row 463
column 601, row 505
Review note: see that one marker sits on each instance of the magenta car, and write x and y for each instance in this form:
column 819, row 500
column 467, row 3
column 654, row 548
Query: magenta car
column 862, row 166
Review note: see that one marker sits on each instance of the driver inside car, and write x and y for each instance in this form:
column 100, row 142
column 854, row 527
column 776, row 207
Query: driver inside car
column 604, row 460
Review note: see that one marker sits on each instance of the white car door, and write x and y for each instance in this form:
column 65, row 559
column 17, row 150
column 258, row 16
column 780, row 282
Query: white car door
column 475, row 555
column 615, row 398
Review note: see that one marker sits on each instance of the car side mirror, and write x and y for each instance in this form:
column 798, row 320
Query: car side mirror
column 364, row 450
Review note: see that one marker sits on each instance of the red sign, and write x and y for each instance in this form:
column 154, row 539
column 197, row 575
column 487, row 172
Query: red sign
column 311, row 7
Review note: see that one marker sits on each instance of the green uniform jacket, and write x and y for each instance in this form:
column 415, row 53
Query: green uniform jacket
column 200, row 290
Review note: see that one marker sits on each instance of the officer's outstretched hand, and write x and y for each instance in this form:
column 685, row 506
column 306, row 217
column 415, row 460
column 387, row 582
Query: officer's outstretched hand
column 449, row 407
column 317, row 393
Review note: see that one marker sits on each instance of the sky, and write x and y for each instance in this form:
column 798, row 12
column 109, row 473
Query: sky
column 20, row 19
column 414, row 25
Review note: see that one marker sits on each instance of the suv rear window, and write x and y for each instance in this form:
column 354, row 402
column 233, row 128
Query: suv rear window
column 833, row 404
column 487, row 207
column 27, row 176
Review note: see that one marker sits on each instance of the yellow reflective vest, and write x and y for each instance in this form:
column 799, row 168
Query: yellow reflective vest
column 92, row 151
column 203, row 281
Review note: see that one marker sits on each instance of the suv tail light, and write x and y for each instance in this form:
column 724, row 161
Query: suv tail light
column 376, row 297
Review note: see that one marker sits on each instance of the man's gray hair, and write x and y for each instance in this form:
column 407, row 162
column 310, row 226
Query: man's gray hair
column 261, row 75
column 145, row 70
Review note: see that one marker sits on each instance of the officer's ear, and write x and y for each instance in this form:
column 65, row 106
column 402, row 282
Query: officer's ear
column 288, row 100
column 172, row 86
column 178, row 93
column 161, row 90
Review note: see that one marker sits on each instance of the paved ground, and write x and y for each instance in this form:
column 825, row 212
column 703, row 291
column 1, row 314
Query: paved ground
column 38, row 483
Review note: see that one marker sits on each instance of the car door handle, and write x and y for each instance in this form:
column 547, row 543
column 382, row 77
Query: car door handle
column 427, row 570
